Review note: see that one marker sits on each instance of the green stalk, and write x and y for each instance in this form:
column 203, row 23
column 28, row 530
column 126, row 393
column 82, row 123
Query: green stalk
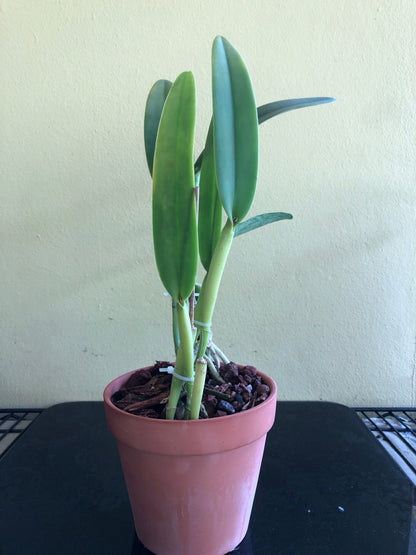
column 209, row 290
column 175, row 328
column 174, row 394
column 200, row 373
column 184, row 364
column 204, row 335
column 189, row 387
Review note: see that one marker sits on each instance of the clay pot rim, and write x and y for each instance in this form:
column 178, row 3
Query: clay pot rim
column 110, row 389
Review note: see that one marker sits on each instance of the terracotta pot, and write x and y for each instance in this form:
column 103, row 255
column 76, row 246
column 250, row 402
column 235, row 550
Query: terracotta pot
column 191, row 483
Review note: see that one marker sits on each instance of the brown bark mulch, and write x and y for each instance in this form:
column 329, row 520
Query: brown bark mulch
column 147, row 390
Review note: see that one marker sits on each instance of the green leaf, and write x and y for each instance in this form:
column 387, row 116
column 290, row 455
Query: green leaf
column 210, row 212
column 174, row 212
column 235, row 130
column 268, row 111
column 259, row 221
column 154, row 106
column 272, row 109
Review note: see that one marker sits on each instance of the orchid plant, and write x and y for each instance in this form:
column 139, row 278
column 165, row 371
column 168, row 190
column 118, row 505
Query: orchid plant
column 200, row 206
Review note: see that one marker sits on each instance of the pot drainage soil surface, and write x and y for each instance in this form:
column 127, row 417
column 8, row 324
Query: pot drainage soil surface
column 146, row 392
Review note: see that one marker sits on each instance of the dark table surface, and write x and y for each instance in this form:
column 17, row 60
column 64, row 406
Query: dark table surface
column 326, row 487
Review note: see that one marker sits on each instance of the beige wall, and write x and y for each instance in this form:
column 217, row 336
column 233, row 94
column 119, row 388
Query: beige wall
column 325, row 303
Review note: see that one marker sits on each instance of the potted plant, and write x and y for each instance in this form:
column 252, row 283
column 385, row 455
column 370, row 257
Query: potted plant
column 191, row 466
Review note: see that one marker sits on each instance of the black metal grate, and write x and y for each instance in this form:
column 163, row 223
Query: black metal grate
column 13, row 422
column 395, row 428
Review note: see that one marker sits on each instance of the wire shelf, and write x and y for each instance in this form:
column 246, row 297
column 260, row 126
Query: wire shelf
column 13, row 423
column 395, row 428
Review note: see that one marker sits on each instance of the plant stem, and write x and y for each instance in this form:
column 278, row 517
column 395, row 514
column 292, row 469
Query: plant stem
column 189, row 395
column 192, row 297
column 200, row 373
column 204, row 335
column 184, row 364
column 192, row 308
column 209, row 290
column 175, row 329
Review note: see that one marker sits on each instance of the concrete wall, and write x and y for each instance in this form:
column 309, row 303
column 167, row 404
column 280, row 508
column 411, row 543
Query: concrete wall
column 325, row 303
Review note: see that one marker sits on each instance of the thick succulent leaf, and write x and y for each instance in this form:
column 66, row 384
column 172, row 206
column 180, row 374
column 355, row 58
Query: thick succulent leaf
column 174, row 212
column 235, row 130
column 154, row 106
column 268, row 111
column 259, row 221
column 210, row 208
column 272, row 109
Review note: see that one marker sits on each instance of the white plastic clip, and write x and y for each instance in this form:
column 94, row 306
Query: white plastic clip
column 168, row 370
